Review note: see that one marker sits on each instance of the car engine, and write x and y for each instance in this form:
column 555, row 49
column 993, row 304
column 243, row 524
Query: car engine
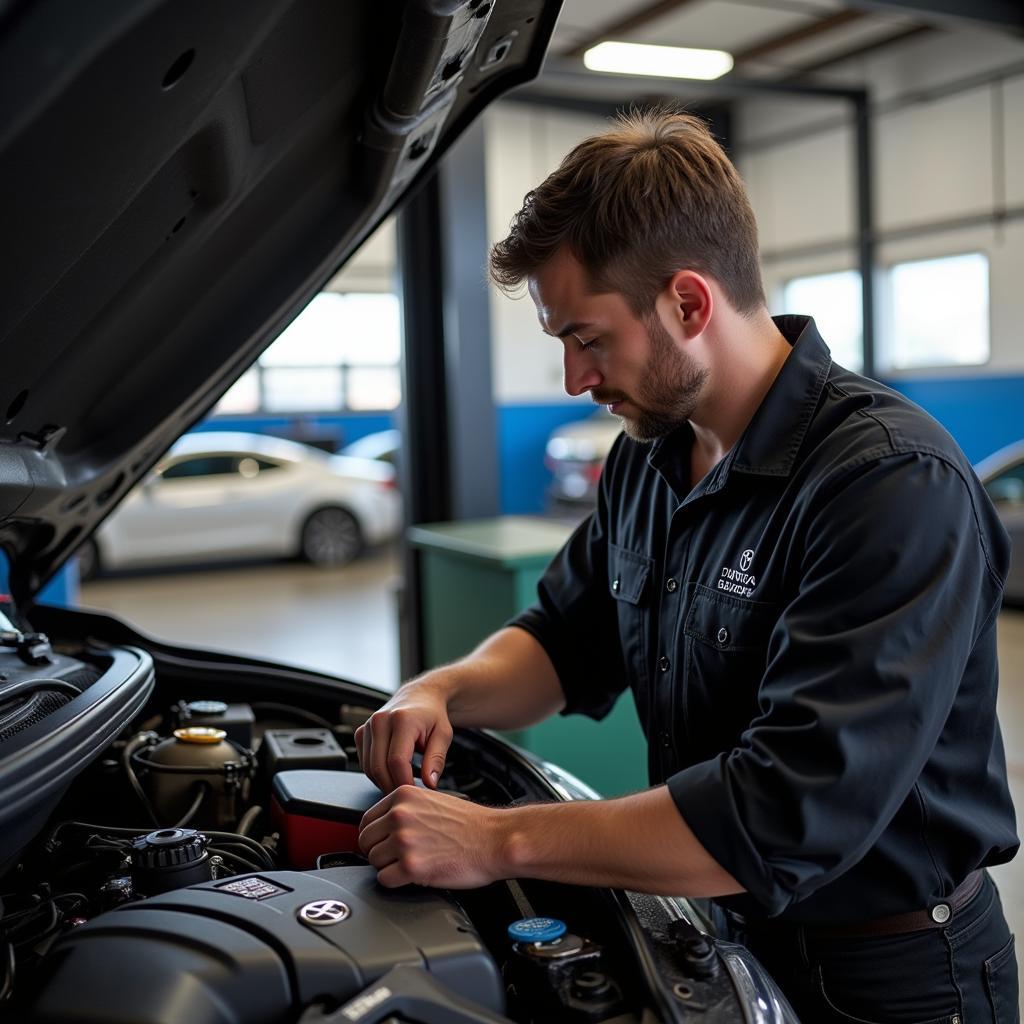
column 205, row 868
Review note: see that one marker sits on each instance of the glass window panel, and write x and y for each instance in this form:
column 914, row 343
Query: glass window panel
column 372, row 387
column 299, row 389
column 203, row 465
column 373, row 329
column 927, row 328
column 243, row 396
column 834, row 300
column 333, row 328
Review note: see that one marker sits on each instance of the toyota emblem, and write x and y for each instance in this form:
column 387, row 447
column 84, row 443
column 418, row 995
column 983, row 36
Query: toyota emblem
column 324, row 912
column 745, row 559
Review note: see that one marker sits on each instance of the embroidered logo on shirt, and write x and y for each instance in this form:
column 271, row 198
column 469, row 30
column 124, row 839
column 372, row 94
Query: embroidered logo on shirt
column 739, row 581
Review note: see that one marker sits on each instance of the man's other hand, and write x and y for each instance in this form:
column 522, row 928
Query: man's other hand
column 436, row 839
column 416, row 718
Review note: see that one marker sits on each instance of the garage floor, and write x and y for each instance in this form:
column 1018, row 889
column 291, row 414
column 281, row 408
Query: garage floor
column 345, row 622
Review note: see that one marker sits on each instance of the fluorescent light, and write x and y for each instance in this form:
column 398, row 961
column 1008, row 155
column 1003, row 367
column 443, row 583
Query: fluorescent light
column 663, row 61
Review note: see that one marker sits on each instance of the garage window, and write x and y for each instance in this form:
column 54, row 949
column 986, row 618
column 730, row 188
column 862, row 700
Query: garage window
column 938, row 313
column 340, row 353
column 834, row 300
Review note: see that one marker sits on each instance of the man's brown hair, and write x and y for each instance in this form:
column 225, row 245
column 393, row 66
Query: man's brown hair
column 652, row 195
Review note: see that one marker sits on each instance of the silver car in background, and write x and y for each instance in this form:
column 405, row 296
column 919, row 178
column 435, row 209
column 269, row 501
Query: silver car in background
column 575, row 454
column 222, row 495
column 1002, row 473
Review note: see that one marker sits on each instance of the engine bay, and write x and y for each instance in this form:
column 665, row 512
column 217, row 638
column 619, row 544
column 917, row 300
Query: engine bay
column 205, row 867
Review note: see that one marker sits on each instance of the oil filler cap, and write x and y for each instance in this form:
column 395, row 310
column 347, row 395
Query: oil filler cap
column 170, row 858
column 536, row 929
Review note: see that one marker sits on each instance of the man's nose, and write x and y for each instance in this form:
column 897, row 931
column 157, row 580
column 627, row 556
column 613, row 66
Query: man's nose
column 580, row 373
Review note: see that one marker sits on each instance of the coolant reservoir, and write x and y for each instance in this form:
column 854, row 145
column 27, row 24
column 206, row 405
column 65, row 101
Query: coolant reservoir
column 192, row 757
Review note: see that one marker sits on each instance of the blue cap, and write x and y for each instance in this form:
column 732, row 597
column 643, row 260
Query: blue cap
column 536, row 929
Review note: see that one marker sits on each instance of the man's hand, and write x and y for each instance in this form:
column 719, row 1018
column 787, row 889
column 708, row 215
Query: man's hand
column 638, row 842
column 432, row 839
column 416, row 718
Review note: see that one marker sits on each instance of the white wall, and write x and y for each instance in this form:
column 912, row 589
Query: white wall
column 524, row 144
column 373, row 267
column 941, row 153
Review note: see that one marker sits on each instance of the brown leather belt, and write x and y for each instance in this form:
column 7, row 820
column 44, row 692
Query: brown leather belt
column 940, row 915
column 916, row 921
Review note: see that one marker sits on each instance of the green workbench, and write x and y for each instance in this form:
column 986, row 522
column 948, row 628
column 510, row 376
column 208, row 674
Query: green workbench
column 477, row 574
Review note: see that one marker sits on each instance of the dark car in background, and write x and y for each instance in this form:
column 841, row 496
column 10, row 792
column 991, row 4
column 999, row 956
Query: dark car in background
column 177, row 826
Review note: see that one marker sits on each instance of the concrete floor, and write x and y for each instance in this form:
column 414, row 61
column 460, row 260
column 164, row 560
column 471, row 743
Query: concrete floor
column 344, row 621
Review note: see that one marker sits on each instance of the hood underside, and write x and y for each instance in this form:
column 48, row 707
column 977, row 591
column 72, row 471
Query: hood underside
column 179, row 178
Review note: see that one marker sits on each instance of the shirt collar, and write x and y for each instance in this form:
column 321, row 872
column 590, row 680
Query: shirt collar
column 769, row 445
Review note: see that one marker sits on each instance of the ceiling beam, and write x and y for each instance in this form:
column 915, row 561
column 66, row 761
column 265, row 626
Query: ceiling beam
column 797, row 35
column 626, row 24
column 568, row 78
column 1007, row 15
column 862, row 50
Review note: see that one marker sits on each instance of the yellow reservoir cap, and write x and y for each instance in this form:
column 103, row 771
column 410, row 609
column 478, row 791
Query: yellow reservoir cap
column 199, row 734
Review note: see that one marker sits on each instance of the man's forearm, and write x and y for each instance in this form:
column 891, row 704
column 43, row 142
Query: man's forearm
column 638, row 842
column 508, row 682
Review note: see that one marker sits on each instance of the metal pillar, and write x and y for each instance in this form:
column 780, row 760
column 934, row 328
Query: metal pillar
column 447, row 417
column 865, row 228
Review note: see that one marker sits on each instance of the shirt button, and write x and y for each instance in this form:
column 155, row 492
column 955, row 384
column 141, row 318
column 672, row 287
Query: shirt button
column 941, row 913
column 615, row 585
column 664, row 664
column 671, row 585
column 723, row 636
column 665, row 741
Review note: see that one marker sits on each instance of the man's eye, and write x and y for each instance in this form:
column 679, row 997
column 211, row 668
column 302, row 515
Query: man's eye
column 588, row 344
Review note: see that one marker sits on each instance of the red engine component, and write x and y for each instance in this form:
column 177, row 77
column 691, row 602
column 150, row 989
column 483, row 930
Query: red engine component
column 318, row 811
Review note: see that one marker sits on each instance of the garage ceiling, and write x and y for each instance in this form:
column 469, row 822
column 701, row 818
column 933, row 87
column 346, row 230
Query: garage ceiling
column 773, row 39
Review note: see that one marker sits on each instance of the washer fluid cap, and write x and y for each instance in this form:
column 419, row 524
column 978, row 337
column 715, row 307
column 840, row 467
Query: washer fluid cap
column 207, row 707
column 536, row 929
column 199, row 734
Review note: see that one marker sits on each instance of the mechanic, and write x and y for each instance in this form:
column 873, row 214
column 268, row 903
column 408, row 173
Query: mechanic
column 795, row 572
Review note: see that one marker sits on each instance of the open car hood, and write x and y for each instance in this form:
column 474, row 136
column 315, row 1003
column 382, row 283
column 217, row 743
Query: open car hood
column 179, row 178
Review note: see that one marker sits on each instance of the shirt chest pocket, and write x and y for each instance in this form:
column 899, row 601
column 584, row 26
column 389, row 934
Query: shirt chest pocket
column 630, row 584
column 726, row 652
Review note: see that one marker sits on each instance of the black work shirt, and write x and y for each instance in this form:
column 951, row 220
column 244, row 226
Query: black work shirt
column 810, row 638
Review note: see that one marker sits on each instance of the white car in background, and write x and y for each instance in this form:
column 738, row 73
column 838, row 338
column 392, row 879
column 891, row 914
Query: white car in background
column 1002, row 473
column 575, row 455
column 222, row 495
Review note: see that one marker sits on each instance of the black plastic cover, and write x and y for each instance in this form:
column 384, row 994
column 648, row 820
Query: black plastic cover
column 240, row 952
column 334, row 796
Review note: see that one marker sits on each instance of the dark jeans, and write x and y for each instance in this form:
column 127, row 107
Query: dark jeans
column 963, row 973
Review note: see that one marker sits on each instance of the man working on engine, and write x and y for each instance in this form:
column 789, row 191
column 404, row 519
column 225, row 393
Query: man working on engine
column 797, row 575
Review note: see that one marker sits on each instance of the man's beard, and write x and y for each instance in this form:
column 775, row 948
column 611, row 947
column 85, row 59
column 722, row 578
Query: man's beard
column 668, row 390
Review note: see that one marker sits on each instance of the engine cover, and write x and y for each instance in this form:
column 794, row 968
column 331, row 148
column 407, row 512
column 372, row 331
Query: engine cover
column 254, row 949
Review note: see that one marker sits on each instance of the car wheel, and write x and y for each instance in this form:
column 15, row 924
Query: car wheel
column 88, row 561
column 330, row 536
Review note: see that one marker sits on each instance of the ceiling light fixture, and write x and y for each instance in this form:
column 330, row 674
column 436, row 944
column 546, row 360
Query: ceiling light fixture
column 662, row 61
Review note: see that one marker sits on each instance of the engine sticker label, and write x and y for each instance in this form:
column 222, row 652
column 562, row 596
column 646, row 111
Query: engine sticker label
column 252, row 888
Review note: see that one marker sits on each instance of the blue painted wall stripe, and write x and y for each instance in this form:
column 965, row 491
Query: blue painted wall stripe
column 982, row 413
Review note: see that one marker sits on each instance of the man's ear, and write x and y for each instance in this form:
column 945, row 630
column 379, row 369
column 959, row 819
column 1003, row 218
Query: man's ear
column 691, row 301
